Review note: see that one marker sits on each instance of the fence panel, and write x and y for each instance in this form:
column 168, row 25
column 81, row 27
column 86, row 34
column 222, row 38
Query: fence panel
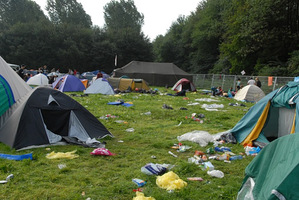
column 207, row 81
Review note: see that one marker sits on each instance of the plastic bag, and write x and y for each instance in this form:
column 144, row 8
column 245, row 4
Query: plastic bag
column 216, row 173
column 69, row 155
column 102, row 152
column 201, row 137
column 170, row 181
column 140, row 196
column 154, row 169
column 246, row 191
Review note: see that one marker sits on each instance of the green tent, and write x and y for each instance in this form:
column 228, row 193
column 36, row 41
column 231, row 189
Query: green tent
column 275, row 115
column 273, row 173
column 6, row 95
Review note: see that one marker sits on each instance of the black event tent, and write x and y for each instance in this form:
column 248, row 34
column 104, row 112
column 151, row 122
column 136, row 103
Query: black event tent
column 156, row 74
column 47, row 116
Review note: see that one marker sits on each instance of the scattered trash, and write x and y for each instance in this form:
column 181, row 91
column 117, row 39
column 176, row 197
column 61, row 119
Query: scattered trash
column 48, row 149
column 121, row 141
column 222, row 149
column 61, row 166
column 193, row 104
column 154, row 169
column 139, row 182
column 182, row 108
column 138, row 190
column 208, row 166
column 239, row 157
column 167, row 107
column 172, row 154
column 194, row 179
column 179, row 124
column 17, row 157
column 108, row 116
column 101, row 152
column 216, row 173
column 147, row 113
column 130, row 130
column 183, row 148
column 212, row 107
column 121, row 121
column 153, row 157
column 200, row 137
column 69, row 155
column 140, row 196
column 253, row 151
column 170, row 181
column 7, row 179
column 207, row 99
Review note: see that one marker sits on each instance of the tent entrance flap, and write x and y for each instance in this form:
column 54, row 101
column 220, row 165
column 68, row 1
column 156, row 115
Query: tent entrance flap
column 57, row 121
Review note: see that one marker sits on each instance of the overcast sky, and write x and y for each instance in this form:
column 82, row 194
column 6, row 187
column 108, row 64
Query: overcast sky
column 158, row 14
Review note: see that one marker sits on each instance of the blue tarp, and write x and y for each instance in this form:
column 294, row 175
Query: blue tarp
column 16, row 157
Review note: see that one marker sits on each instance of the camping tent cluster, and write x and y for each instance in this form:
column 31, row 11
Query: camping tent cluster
column 158, row 74
column 42, row 116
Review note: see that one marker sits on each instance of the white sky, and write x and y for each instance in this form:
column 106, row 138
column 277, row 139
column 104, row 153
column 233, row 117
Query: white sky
column 158, row 14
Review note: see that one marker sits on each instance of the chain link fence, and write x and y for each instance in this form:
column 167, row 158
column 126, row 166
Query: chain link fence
column 207, row 81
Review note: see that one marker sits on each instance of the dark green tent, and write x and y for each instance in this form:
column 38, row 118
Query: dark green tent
column 154, row 73
column 274, row 172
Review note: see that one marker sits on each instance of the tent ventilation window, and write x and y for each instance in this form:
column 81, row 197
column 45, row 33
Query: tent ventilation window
column 52, row 101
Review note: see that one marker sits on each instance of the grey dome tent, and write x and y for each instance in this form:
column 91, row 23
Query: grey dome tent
column 46, row 116
column 157, row 74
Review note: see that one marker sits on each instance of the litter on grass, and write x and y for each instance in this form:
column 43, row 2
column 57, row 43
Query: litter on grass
column 155, row 169
column 101, row 152
column 140, row 196
column 138, row 182
column 170, row 181
column 201, row 137
column 7, row 179
column 207, row 100
column 216, row 173
column 212, row 107
column 16, row 157
column 69, row 155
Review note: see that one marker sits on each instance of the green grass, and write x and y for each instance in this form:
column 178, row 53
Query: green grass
column 99, row 177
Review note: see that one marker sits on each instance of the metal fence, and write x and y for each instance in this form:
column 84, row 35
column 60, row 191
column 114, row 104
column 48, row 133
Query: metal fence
column 207, row 81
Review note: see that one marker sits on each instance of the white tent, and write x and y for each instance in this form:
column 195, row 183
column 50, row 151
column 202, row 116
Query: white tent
column 17, row 85
column 38, row 79
column 250, row 93
column 101, row 86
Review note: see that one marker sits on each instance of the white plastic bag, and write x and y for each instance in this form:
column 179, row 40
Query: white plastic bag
column 216, row 173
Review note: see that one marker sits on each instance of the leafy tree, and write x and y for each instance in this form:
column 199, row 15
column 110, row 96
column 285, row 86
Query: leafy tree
column 69, row 12
column 19, row 11
column 123, row 24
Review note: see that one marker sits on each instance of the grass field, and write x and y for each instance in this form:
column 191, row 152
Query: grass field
column 99, row 177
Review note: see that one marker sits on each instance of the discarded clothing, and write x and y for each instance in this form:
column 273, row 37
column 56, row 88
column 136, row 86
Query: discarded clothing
column 16, row 157
column 69, row 155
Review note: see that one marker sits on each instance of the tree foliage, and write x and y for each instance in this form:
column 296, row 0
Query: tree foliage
column 220, row 36
column 68, row 12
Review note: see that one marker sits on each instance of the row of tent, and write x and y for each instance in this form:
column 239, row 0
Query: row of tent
column 70, row 83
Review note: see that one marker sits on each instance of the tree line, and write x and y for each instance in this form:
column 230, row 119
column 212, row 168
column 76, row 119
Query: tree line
column 260, row 37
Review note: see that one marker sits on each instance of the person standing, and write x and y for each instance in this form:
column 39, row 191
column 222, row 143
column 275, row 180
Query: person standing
column 238, row 84
column 258, row 82
column 21, row 71
column 251, row 81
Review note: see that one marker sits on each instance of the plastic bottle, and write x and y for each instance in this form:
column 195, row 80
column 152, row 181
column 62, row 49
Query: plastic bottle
column 239, row 157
